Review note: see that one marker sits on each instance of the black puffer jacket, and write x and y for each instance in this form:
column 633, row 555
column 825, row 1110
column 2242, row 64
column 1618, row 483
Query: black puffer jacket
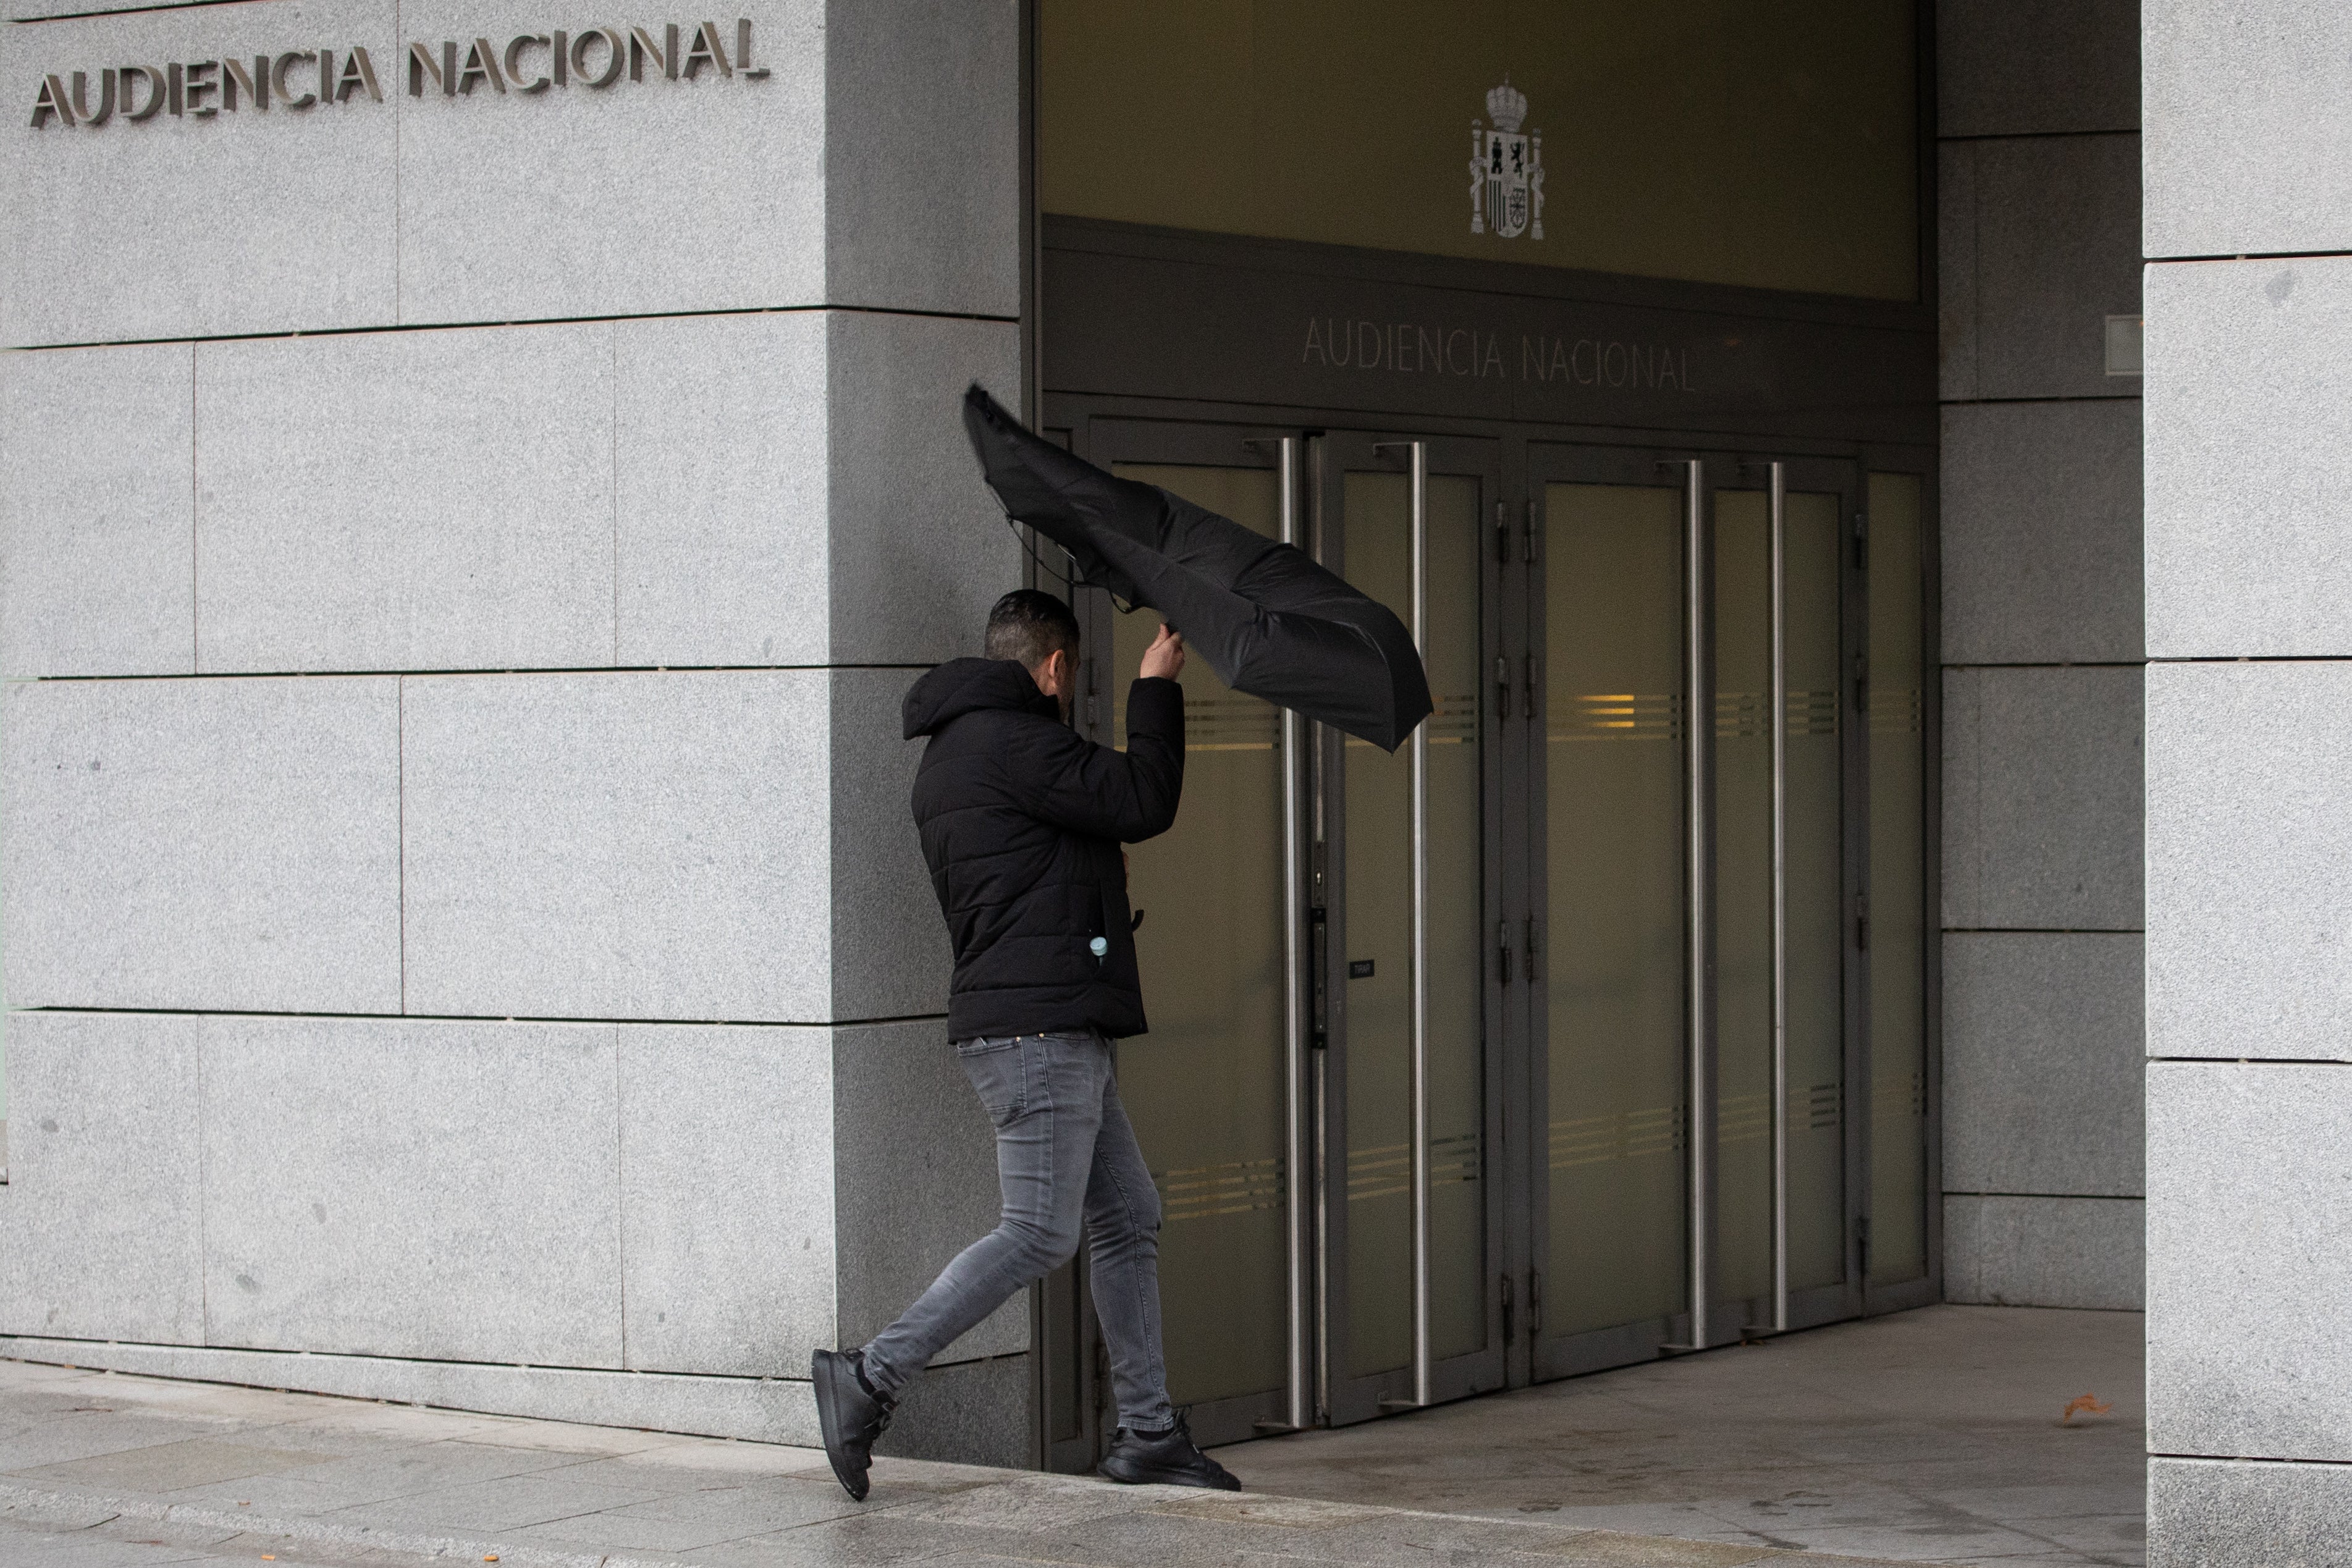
column 1021, row 822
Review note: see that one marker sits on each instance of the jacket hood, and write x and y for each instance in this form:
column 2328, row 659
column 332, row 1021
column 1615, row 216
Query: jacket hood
column 964, row 686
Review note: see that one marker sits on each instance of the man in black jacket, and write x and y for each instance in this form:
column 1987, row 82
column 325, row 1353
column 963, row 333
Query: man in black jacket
column 1021, row 822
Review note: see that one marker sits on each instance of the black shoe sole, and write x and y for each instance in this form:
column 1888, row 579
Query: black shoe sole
column 826, row 1371
column 1146, row 1476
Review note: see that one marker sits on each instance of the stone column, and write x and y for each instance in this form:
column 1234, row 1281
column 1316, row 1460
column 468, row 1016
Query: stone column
column 2037, row 117
column 462, row 546
column 2249, row 240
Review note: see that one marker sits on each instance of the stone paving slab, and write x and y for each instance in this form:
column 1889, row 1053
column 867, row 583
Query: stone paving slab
column 1942, row 1434
column 102, row 1471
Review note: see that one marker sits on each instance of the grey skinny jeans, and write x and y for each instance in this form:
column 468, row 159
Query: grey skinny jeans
column 1063, row 1150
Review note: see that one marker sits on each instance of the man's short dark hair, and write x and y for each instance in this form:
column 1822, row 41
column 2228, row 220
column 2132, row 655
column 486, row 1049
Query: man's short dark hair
column 1029, row 626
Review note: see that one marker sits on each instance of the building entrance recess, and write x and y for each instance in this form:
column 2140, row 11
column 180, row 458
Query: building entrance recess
column 1576, row 1032
column 1460, row 1075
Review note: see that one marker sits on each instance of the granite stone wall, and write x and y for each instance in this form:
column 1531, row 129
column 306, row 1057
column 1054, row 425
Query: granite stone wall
column 2038, row 173
column 461, row 557
column 2249, row 244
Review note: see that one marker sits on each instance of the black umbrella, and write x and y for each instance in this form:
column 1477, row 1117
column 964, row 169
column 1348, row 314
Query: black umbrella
column 1268, row 618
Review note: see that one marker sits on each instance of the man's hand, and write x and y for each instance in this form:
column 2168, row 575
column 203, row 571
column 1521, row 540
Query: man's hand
column 1164, row 659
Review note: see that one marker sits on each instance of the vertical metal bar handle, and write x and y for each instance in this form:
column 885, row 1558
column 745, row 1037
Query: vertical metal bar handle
column 1421, row 1394
column 1779, row 711
column 1298, row 1153
column 1319, row 783
column 1698, row 854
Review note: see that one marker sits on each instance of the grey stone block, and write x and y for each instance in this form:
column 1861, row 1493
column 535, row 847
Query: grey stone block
column 1956, row 270
column 2246, row 551
column 646, row 196
column 2056, row 247
column 96, row 531
column 2008, row 69
column 891, row 956
column 2043, row 798
column 2247, row 908
column 760, row 1410
column 919, row 549
column 726, row 1230
column 619, row 845
column 722, row 484
column 203, row 844
column 2249, row 150
column 245, row 223
column 2045, row 1252
column 102, row 1227
column 405, row 1187
column 978, row 1413
column 2247, row 1513
column 2042, row 558
column 923, row 155
column 2249, row 1249
column 794, row 489
column 2043, row 1063
column 406, row 501
column 914, row 1161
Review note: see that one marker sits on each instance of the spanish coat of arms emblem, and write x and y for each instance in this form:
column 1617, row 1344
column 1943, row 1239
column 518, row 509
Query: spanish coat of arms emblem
column 1506, row 177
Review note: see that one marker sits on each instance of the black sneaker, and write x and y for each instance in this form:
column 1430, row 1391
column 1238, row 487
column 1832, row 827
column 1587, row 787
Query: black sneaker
column 850, row 1415
column 1163, row 1459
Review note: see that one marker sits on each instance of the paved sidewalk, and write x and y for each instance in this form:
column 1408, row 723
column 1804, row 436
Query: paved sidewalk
column 98, row 1470
column 1943, row 1435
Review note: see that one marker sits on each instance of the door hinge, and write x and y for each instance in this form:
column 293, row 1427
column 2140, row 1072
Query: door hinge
column 1535, row 946
column 1862, row 922
column 1502, row 537
column 1861, row 541
column 1503, row 948
column 1502, row 686
column 1535, row 1303
column 1861, row 684
column 1861, row 1242
column 1531, row 686
column 1529, row 539
column 1510, row 1325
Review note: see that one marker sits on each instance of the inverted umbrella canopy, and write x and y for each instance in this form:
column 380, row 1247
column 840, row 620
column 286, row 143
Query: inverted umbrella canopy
column 1268, row 619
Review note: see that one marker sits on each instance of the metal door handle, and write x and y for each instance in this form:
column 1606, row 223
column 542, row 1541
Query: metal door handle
column 1296, row 1106
column 1699, row 853
column 1421, row 1367
column 1779, row 900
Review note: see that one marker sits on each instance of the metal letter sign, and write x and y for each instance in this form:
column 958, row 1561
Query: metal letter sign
column 302, row 78
column 1505, row 169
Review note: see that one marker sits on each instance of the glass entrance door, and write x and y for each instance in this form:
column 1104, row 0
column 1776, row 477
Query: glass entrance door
column 1214, row 1090
column 1318, row 1097
column 1589, row 1024
column 1409, row 1033
column 1695, row 1023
